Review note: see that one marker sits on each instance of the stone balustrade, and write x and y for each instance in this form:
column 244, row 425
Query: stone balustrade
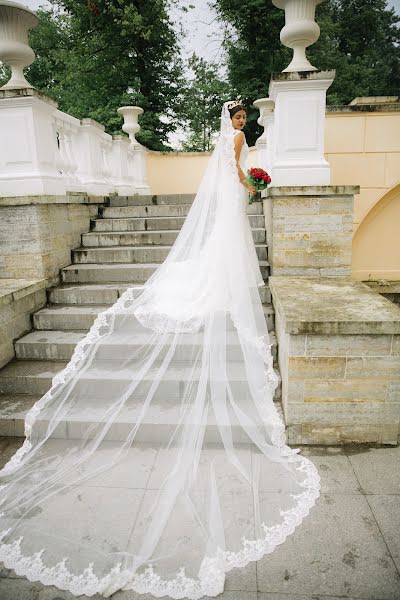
column 48, row 152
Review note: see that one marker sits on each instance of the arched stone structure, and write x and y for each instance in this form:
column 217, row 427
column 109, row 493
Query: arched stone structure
column 376, row 241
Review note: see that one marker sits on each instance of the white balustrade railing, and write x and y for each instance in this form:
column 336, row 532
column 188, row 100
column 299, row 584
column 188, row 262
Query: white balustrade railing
column 46, row 151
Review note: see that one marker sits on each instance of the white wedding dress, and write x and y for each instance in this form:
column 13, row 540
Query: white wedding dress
column 157, row 461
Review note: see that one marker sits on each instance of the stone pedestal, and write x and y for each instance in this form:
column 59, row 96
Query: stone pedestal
column 339, row 360
column 28, row 148
column 309, row 229
column 299, row 127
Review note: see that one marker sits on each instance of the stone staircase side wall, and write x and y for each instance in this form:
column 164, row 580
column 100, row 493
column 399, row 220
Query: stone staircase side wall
column 39, row 232
column 309, row 229
column 18, row 300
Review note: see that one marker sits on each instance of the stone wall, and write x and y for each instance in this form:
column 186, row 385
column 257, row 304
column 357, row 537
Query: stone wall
column 37, row 233
column 309, row 229
column 19, row 298
column 339, row 359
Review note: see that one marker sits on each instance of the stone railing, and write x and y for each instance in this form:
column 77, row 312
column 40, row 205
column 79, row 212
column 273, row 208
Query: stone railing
column 47, row 151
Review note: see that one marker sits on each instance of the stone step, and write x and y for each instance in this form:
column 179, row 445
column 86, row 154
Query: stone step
column 134, row 254
column 143, row 238
column 80, row 318
column 137, row 273
column 163, row 210
column 99, row 273
column 146, row 200
column 152, row 223
column 106, row 293
column 159, row 422
column 59, row 345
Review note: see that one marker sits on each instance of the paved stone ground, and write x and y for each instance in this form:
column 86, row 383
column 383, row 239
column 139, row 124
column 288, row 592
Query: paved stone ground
column 347, row 548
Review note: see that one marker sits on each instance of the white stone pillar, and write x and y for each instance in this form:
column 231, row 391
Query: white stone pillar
column 264, row 143
column 28, row 149
column 297, row 156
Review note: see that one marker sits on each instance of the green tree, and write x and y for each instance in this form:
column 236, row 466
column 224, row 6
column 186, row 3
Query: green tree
column 359, row 38
column 202, row 101
column 94, row 56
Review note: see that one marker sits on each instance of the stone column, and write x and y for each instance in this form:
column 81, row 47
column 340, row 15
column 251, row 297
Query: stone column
column 309, row 229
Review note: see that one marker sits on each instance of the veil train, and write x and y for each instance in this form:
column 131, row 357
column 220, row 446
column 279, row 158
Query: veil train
column 177, row 374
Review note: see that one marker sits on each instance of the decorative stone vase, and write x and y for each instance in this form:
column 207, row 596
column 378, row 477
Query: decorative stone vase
column 131, row 125
column 15, row 22
column 300, row 31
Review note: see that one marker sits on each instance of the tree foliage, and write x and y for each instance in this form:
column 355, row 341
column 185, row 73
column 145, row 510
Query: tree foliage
column 201, row 107
column 359, row 39
column 94, row 56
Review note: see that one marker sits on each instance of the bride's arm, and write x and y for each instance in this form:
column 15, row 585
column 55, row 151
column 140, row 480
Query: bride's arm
column 239, row 141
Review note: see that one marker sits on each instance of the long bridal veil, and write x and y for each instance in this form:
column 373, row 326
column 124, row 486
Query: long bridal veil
column 157, row 460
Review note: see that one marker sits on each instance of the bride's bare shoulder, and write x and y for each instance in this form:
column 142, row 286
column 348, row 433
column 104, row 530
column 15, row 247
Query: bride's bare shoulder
column 239, row 138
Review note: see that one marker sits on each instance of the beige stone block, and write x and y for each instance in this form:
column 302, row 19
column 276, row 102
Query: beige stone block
column 295, row 390
column 349, row 434
column 54, row 212
column 349, row 390
column 322, row 258
column 396, row 345
column 348, row 345
column 343, row 413
column 364, row 201
column 368, row 170
column 382, row 134
column 385, row 367
column 337, row 205
column 335, row 271
column 283, row 236
column 320, row 223
column 306, row 205
column 317, row 367
column 392, row 168
column 393, row 391
column 344, row 134
column 297, row 271
column 297, row 345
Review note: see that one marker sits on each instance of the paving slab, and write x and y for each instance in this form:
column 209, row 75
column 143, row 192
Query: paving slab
column 335, row 469
column 338, row 550
column 386, row 510
column 377, row 469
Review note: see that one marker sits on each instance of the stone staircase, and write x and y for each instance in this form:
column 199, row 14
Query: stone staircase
column 129, row 238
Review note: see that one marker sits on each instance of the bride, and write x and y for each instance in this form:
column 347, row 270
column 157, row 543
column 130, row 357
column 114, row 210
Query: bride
column 157, row 461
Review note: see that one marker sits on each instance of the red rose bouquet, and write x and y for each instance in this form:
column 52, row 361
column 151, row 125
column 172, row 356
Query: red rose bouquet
column 259, row 179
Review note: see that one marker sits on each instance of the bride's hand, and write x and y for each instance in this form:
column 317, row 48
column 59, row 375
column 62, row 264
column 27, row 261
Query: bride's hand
column 252, row 189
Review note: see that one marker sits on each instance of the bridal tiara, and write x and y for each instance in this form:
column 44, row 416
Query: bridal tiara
column 235, row 103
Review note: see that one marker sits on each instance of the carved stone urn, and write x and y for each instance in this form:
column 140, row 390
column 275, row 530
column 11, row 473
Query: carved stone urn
column 300, row 31
column 131, row 125
column 15, row 22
